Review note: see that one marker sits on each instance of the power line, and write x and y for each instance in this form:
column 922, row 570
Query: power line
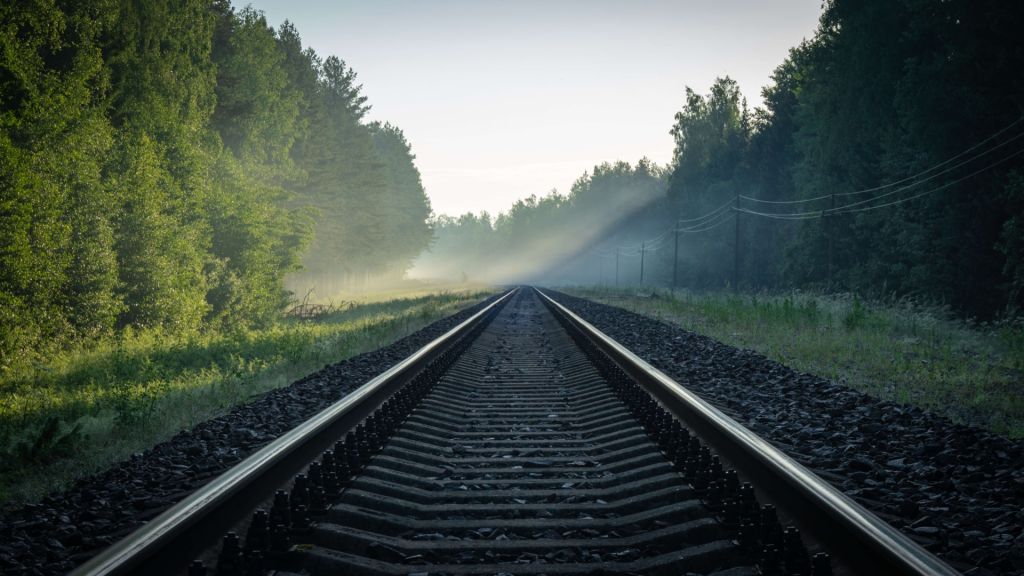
column 846, row 209
column 911, row 177
column 712, row 221
column 937, row 174
column 722, row 214
column 634, row 248
column 907, row 178
column 799, row 216
column 727, row 218
column 843, row 208
column 941, row 164
column 802, row 201
column 709, row 214
column 943, row 187
column 660, row 236
column 658, row 246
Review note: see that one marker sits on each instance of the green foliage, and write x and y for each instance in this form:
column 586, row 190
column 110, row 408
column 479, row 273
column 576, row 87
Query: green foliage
column 542, row 235
column 160, row 258
column 161, row 167
column 882, row 92
column 1012, row 242
column 52, row 440
column 712, row 135
column 55, row 240
column 855, row 316
column 895, row 350
column 257, row 111
column 406, row 229
column 87, row 407
column 344, row 246
column 257, row 244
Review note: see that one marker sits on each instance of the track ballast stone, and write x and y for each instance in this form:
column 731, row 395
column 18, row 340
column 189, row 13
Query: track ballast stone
column 957, row 490
column 66, row 529
column 520, row 460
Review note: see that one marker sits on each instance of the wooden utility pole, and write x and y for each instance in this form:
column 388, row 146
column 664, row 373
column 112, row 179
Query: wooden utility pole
column 736, row 247
column 617, row 249
column 675, row 259
column 831, row 233
column 643, row 245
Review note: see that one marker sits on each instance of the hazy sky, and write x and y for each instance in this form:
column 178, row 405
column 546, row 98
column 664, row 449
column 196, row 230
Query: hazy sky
column 501, row 100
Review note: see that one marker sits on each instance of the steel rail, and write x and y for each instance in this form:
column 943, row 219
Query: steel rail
column 168, row 542
column 855, row 537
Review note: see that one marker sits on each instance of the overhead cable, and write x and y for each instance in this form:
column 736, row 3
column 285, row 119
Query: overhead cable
column 709, row 214
column 847, row 208
column 912, row 176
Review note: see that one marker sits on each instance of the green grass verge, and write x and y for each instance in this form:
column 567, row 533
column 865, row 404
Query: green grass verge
column 84, row 409
column 973, row 373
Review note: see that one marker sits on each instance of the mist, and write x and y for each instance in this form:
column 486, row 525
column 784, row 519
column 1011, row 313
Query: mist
column 555, row 238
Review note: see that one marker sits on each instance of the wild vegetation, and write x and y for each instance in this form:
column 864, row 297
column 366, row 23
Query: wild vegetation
column 538, row 237
column 885, row 167
column 168, row 171
column 172, row 171
column 86, row 408
column 894, row 350
column 886, row 159
column 164, row 166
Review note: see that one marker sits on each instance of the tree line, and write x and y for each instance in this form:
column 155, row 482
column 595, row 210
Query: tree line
column 548, row 237
column 884, row 160
column 165, row 164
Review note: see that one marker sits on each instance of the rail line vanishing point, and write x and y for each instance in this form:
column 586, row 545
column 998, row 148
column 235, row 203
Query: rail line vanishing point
column 523, row 441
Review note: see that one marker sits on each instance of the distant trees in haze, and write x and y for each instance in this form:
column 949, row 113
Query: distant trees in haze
column 164, row 165
column 541, row 235
column 170, row 165
column 905, row 116
column 363, row 233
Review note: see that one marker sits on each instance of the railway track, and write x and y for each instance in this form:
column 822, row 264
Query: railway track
column 521, row 442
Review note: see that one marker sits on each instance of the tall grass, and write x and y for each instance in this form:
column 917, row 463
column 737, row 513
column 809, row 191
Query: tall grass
column 897, row 350
column 80, row 410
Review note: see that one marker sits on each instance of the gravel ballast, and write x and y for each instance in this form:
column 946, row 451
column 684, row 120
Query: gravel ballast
column 955, row 489
column 65, row 529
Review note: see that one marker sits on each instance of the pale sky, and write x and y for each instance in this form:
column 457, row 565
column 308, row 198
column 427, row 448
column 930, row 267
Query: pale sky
column 504, row 99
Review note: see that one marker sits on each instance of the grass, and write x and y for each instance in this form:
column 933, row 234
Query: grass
column 897, row 350
column 82, row 410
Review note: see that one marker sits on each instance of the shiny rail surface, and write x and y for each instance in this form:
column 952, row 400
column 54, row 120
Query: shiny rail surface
column 858, row 538
column 185, row 529
column 520, row 460
column 524, row 441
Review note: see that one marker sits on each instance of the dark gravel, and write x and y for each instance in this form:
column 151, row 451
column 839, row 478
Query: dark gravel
column 955, row 489
column 520, row 502
column 65, row 529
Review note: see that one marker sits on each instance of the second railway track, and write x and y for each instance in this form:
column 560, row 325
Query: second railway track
column 523, row 442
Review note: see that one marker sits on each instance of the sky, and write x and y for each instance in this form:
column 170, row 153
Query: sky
column 504, row 99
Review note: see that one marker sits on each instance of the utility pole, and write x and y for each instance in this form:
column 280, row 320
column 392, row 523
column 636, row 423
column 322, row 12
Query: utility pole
column 643, row 245
column 617, row 249
column 831, row 233
column 736, row 247
column 675, row 259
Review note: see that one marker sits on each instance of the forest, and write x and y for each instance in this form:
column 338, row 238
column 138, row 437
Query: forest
column 884, row 161
column 177, row 166
column 176, row 174
column 183, row 166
